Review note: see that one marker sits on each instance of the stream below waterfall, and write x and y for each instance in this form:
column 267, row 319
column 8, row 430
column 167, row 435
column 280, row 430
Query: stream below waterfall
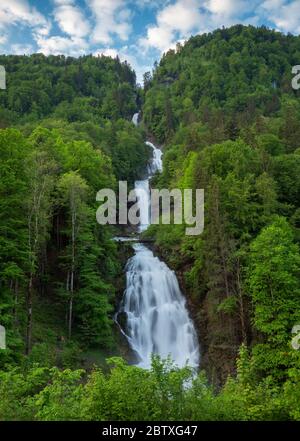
column 157, row 320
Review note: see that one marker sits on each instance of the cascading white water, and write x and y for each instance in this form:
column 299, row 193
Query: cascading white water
column 156, row 161
column 142, row 191
column 157, row 317
column 142, row 188
column 135, row 119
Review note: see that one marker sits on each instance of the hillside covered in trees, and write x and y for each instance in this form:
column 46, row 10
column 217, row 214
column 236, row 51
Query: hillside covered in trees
column 65, row 135
column 224, row 107
column 228, row 120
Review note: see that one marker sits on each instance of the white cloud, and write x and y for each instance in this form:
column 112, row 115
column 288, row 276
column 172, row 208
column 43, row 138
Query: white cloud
column 112, row 18
column 108, row 52
column 181, row 16
column 158, row 38
column 14, row 12
column 71, row 19
column 3, row 39
column 285, row 15
column 153, row 4
column 228, row 7
column 72, row 22
column 57, row 45
column 181, row 19
column 64, row 2
column 229, row 12
column 22, row 49
column 176, row 21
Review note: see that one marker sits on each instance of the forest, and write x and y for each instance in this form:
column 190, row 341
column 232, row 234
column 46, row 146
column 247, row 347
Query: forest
column 223, row 110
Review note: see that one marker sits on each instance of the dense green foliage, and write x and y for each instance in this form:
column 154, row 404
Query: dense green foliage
column 129, row 393
column 87, row 88
column 58, row 267
column 224, row 106
column 225, row 80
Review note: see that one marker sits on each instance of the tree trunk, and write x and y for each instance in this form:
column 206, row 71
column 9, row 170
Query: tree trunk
column 241, row 304
column 29, row 315
column 16, row 300
column 71, row 305
column 72, row 273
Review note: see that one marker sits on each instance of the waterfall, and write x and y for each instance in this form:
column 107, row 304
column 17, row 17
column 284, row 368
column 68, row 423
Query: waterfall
column 142, row 191
column 155, row 164
column 157, row 318
column 135, row 119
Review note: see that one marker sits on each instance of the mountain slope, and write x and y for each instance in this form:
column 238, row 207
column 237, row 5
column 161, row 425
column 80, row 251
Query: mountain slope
column 224, row 106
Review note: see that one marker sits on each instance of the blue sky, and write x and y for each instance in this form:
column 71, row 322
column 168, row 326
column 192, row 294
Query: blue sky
column 137, row 30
